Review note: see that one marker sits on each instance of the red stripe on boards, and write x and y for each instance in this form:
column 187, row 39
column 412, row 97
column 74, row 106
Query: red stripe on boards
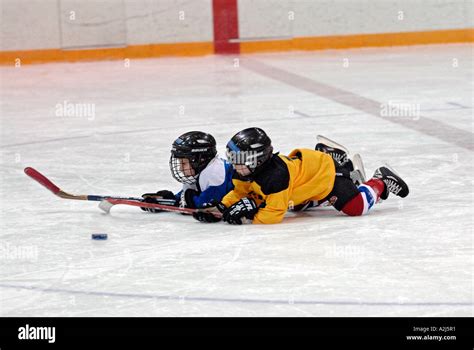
column 226, row 26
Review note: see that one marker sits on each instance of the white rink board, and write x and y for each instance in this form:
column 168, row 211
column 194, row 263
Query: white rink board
column 409, row 257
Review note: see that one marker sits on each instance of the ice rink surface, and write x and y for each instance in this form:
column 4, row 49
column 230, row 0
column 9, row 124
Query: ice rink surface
column 411, row 257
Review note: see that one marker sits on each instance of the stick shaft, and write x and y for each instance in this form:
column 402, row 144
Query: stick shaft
column 188, row 211
column 44, row 181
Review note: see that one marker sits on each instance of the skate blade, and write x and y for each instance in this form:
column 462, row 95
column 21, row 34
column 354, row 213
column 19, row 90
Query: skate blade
column 328, row 142
column 359, row 165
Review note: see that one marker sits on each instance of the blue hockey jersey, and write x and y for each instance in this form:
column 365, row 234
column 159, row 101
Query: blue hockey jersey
column 213, row 183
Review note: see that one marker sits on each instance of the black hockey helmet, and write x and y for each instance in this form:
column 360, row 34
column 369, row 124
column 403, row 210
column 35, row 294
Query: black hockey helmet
column 251, row 147
column 196, row 146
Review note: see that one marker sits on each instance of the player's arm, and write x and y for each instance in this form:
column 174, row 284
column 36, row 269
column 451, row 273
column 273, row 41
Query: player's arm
column 267, row 209
column 241, row 189
column 211, row 194
column 273, row 209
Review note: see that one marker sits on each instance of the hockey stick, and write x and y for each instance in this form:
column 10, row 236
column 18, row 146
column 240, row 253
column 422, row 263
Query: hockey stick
column 108, row 203
column 44, row 181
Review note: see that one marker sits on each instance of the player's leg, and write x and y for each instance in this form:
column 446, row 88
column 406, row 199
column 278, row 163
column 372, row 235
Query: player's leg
column 364, row 197
column 345, row 165
column 351, row 199
column 350, row 169
column 358, row 200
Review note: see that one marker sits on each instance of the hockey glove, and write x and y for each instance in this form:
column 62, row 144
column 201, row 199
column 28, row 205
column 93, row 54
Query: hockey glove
column 153, row 198
column 245, row 208
column 209, row 217
column 187, row 198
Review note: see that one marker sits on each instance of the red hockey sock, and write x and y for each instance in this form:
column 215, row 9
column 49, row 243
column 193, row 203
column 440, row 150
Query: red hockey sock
column 355, row 206
column 370, row 192
column 377, row 185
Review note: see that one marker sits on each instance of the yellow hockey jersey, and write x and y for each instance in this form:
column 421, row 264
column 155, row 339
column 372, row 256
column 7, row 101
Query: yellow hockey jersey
column 285, row 180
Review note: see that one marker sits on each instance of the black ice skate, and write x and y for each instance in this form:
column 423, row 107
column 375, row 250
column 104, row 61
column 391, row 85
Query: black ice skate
column 393, row 182
column 338, row 152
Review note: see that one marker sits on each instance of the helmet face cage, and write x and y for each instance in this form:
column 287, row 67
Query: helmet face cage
column 197, row 161
column 198, row 148
column 178, row 172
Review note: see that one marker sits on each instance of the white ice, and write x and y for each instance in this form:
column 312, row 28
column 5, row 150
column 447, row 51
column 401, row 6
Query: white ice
column 410, row 257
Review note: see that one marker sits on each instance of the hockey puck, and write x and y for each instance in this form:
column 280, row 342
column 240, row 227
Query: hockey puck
column 99, row 236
